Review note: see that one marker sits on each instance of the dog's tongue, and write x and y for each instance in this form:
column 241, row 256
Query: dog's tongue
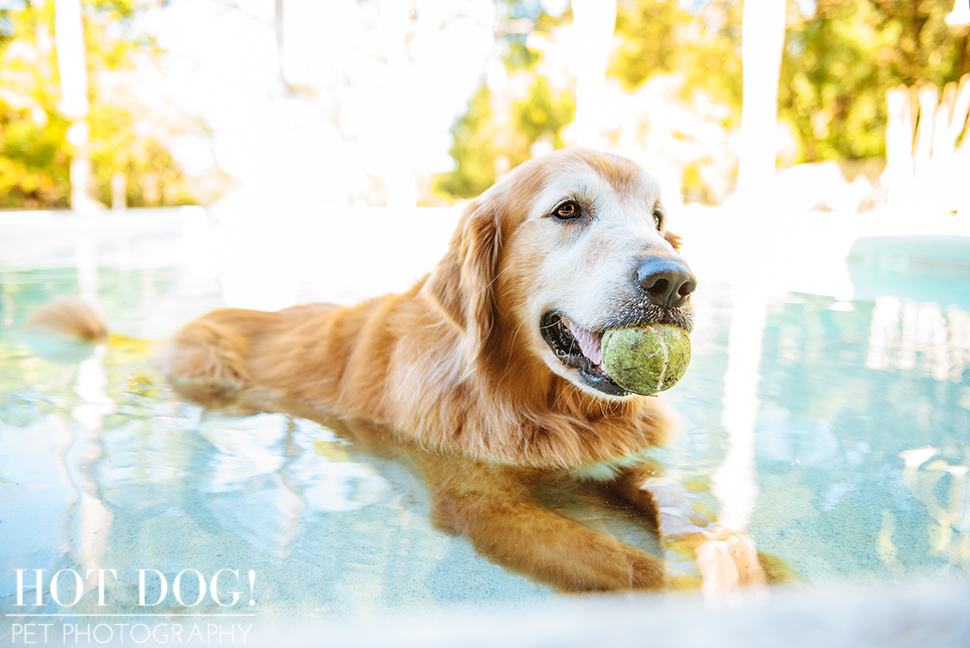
column 589, row 342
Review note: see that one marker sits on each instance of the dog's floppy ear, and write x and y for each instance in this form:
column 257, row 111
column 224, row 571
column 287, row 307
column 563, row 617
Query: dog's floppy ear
column 463, row 282
column 673, row 239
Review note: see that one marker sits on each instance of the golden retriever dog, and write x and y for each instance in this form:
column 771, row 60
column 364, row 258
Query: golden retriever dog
column 487, row 374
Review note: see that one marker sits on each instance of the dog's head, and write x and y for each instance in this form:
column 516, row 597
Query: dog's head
column 565, row 247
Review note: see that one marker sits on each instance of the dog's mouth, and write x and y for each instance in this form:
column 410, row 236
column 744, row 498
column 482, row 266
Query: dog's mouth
column 580, row 349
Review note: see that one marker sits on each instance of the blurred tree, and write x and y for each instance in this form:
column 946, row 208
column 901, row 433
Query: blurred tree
column 542, row 115
column 659, row 38
column 681, row 65
column 655, row 38
column 34, row 158
column 473, row 150
column 501, row 128
column 126, row 134
column 925, row 47
column 839, row 63
column 488, row 142
column 650, row 39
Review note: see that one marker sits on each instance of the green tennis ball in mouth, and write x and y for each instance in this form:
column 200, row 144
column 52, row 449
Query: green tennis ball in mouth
column 646, row 360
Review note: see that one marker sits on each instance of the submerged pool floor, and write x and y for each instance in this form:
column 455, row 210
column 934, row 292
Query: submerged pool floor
column 861, row 448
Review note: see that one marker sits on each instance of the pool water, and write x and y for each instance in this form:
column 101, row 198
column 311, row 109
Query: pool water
column 863, row 439
column 860, row 452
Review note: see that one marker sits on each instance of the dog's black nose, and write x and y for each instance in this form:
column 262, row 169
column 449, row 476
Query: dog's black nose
column 668, row 282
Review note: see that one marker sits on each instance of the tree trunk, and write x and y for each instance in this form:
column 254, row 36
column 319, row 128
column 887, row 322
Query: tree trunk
column 72, row 67
column 595, row 21
column 762, row 40
column 278, row 23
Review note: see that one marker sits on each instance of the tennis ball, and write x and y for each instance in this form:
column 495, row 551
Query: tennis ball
column 646, row 360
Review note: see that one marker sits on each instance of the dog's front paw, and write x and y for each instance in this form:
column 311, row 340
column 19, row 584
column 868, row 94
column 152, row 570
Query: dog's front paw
column 728, row 561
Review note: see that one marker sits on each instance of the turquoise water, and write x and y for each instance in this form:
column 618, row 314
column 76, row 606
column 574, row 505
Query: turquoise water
column 127, row 478
column 848, row 392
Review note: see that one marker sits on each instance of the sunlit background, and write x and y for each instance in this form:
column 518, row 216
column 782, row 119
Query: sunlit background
column 402, row 102
column 162, row 158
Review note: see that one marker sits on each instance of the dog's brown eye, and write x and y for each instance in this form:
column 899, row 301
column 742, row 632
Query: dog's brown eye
column 658, row 219
column 567, row 211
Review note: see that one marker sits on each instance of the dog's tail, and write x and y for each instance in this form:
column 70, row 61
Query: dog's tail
column 72, row 317
column 68, row 329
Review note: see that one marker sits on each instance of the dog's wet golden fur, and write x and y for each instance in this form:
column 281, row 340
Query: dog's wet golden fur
column 456, row 372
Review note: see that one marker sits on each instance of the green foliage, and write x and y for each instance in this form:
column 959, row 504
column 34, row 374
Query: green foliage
column 474, row 150
column 651, row 37
column 497, row 132
column 116, row 148
column 838, row 65
column 35, row 154
column 923, row 46
column 517, row 55
column 542, row 115
column 836, row 68
column 33, row 164
column 487, row 140
column 663, row 38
